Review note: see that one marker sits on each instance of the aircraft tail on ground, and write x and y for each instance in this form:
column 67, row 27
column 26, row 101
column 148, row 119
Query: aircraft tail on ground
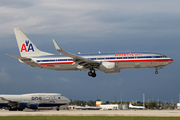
column 26, row 47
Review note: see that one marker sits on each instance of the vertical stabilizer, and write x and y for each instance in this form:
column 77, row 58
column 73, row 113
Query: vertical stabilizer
column 130, row 105
column 26, row 47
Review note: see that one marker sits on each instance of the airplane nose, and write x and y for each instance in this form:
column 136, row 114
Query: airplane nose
column 68, row 100
column 171, row 61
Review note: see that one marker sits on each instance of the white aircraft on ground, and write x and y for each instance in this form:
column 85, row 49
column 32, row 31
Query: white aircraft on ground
column 136, row 107
column 86, row 107
column 32, row 101
column 106, row 62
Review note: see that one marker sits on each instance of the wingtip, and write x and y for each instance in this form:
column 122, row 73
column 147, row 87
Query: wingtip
column 56, row 45
column 16, row 28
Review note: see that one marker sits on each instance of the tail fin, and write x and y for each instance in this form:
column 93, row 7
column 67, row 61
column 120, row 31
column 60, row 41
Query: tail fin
column 26, row 47
column 130, row 105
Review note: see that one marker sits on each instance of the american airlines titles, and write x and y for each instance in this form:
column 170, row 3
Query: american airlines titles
column 129, row 54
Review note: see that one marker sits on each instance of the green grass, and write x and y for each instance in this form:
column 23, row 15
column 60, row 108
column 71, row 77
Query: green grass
column 85, row 118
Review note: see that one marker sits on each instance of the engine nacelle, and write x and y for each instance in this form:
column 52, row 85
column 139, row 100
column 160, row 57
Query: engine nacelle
column 27, row 105
column 80, row 67
column 109, row 67
column 32, row 106
column 22, row 105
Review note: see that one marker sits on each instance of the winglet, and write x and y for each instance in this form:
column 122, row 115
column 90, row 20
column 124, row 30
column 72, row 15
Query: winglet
column 75, row 58
column 56, row 45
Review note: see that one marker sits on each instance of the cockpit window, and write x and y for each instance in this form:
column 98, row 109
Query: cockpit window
column 163, row 56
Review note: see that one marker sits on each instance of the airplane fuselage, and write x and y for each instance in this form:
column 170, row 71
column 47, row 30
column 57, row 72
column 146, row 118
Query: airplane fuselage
column 32, row 101
column 122, row 61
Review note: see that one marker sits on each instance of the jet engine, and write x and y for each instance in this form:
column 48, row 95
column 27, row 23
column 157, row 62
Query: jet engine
column 80, row 67
column 109, row 67
column 22, row 105
column 27, row 105
column 32, row 106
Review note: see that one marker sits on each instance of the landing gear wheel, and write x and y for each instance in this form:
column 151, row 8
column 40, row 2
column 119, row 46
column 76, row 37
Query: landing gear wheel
column 20, row 109
column 57, row 108
column 94, row 75
column 12, row 109
column 90, row 73
column 156, row 72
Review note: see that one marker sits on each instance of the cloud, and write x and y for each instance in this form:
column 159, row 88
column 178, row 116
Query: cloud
column 39, row 78
column 92, row 18
column 4, row 76
column 16, row 3
column 64, row 80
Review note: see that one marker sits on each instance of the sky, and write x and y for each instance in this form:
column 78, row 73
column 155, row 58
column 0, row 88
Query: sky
column 89, row 26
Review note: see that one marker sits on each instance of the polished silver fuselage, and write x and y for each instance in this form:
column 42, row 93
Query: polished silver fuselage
column 122, row 60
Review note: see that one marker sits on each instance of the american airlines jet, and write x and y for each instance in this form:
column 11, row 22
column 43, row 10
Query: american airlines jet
column 32, row 101
column 106, row 62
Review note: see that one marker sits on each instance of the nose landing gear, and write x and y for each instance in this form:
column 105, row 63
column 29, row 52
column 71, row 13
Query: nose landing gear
column 92, row 74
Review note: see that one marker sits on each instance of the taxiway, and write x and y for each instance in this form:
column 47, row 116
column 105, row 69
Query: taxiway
column 175, row 113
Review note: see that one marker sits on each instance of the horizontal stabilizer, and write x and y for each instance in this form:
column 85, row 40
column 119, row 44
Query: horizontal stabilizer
column 18, row 57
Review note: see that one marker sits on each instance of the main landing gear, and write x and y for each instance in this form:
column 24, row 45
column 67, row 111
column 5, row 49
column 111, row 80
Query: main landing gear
column 156, row 71
column 93, row 74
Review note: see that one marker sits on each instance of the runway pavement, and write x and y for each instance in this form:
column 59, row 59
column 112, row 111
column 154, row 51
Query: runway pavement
column 166, row 113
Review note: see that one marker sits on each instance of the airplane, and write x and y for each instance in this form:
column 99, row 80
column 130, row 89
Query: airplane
column 32, row 101
column 136, row 107
column 86, row 107
column 65, row 61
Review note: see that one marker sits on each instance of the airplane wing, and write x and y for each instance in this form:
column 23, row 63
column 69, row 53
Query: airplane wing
column 15, row 103
column 77, row 59
column 10, row 101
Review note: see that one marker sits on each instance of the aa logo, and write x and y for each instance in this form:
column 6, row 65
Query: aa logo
column 27, row 46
